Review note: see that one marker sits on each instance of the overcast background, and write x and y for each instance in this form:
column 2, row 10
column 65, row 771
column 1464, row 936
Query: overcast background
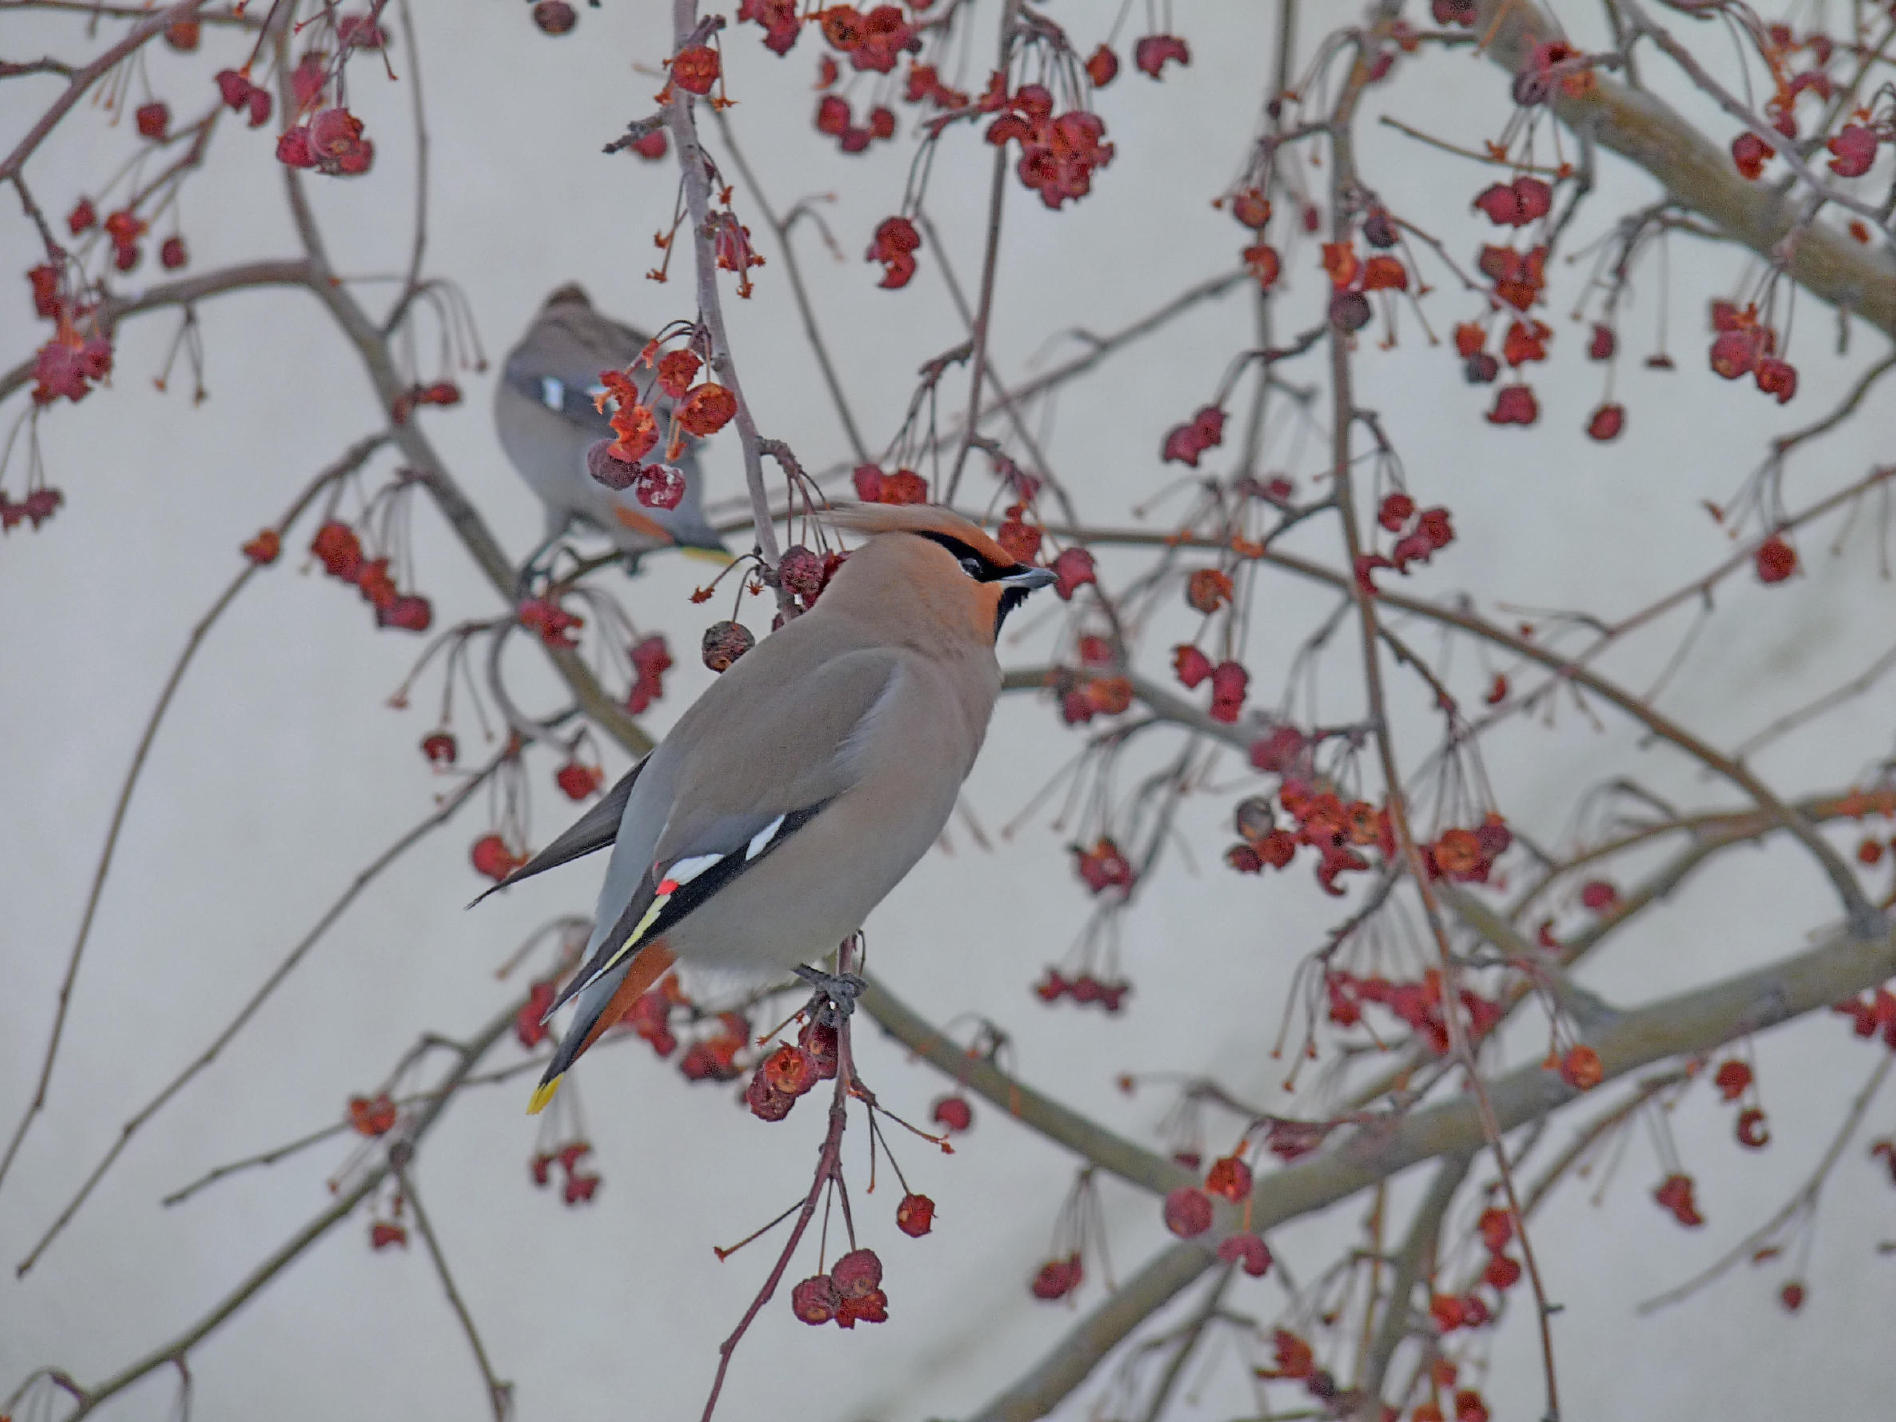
column 282, row 770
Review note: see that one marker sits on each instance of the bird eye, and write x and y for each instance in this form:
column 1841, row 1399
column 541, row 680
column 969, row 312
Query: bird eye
column 972, row 567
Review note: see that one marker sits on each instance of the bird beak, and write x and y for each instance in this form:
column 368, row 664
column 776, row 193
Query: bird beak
column 1027, row 579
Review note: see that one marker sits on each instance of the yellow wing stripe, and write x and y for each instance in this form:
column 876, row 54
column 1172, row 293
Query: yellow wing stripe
column 632, row 939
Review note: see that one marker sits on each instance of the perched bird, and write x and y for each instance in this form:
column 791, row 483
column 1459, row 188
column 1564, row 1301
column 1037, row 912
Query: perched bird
column 807, row 780
column 546, row 419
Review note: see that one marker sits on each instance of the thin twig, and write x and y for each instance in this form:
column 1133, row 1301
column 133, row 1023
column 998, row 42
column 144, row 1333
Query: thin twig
column 697, row 181
column 805, row 310
column 352, row 459
column 499, row 1394
column 368, row 875
column 475, row 1048
column 990, row 262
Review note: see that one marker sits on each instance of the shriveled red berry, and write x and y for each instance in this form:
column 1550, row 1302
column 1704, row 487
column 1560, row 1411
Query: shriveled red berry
column 816, row 1299
column 439, row 747
column 577, row 781
column 1776, row 560
column 1208, row 589
column 724, row 643
column 857, row 1274
column 915, row 1216
column 791, row 1070
column 1056, row 1278
column 265, row 548
column 554, row 17
column 953, row 1114
column 1248, row 1252
column 766, row 1102
column 1230, row 1177
column 1606, row 423
column 1580, row 1068
column 1749, row 152
column 1188, row 1212
column 1190, row 665
column 1598, row 895
column 818, row 1039
column 492, row 858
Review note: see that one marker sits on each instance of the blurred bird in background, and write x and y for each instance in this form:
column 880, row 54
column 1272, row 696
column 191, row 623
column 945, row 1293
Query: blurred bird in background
column 546, row 419
column 806, row 781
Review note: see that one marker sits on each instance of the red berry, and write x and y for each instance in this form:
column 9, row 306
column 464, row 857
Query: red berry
column 1188, row 1212
column 857, row 1274
column 1056, row 1278
column 1598, row 895
column 554, row 17
column 492, row 858
column 1247, row 1251
column 1230, row 1177
column 766, row 1102
column 915, row 1216
column 578, row 781
column 1776, row 560
column 1607, row 422
column 724, row 643
column 815, row 1300
column 953, row 1114
column 264, row 548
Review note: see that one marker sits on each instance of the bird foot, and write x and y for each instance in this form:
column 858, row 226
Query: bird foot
column 835, row 996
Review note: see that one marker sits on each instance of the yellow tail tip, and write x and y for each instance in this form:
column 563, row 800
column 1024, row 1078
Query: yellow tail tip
column 542, row 1094
column 715, row 556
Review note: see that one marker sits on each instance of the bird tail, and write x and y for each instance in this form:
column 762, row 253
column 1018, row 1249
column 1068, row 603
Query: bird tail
column 601, row 1005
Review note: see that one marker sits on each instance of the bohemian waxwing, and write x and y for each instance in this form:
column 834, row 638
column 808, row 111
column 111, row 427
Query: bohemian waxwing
column 546, row 419
column 807, row 780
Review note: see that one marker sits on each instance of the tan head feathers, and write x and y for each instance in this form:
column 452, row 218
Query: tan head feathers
column 924, row 519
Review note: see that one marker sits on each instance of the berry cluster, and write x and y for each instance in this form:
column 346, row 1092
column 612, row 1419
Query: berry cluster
column 1416, row 1004
column 850, row 1293
column 340, row 550
column 792, row 1070
column 651, row 658
column 579, row 1186
column 1084, row 988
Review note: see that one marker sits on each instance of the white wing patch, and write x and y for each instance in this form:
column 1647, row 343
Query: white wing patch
column 685, row 870
column 553, row 392
column 761, row 840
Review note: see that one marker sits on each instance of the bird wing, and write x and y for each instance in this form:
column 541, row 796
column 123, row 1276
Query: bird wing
column 558, row 363
column 591, row 832
column 755, row 768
